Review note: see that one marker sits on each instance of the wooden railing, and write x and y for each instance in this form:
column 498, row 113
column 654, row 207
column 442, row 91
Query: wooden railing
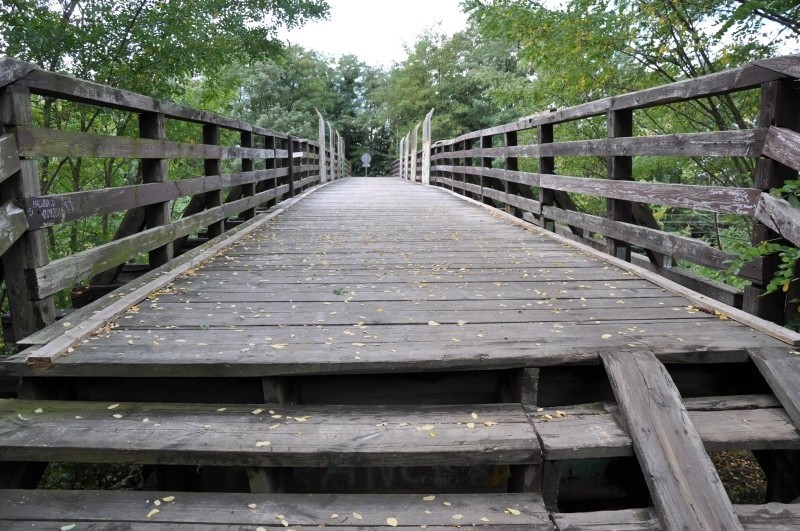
column 485, row 165
column 244, row 167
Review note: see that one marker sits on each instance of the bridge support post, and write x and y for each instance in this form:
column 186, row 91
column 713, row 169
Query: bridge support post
column 248, row 189
column 290, row 145
column 30, row 250
column 151, row 125
column 213, row 167
column 779, row 107
column 323, row 160
column 426, row 148
column 620, row 124
column 546, row 166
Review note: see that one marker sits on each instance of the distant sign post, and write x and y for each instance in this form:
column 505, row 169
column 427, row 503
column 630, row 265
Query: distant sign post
column 366, row 158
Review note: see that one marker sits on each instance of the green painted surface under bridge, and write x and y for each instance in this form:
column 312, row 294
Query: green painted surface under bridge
column 396, row 354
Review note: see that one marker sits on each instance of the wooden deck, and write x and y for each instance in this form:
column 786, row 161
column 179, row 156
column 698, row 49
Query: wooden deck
column 380, row 324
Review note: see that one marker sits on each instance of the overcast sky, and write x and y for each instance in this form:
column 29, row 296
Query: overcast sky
column 375, row 30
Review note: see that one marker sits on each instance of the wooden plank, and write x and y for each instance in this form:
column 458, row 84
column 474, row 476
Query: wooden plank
column 65, row 87
column 781, row 369
column 711, row 198
column 12, row 70
column 49, row 210
column 12, row 225
column 37, row 142
column 9, row 157
column 520, row 177
column 683, row 482
column 752, row 517
column 331, row 435
column 696, row 251
column 739, row 143
column 780, row 216
column 192, row 510
column 96, row 316
column 787, row 65
column 771, row 329
column 66, row 272
column 783, row 145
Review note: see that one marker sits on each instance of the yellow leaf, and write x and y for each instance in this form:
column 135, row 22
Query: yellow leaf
column 252, row 505
column 302, row 419
column 113, row 406
column 168, row 499
column 434, row 323
column 263, row 443
column 153, row 513
column 392, row 522
column 457, row 516
column 607, row 336
column 278, row 346
column 514, row 512
column 357, row 516
column 429, row 498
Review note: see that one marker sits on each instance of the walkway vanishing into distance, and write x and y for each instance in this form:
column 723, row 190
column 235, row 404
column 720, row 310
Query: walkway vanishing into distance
column 382, row 327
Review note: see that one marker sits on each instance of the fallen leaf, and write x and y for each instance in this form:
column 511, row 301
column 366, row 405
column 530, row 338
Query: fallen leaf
column 38, row 410
column 484, row 519
column 514, row 512
column 357, row 516
column 457, row 516
column 489, row 423
column 470, row 425
column 117, row 416
column 153, row 513
column 392, row 522
column 263, row 443
column 434, row 323
column 607, row 336
column 302, row 419
column 278, row 346
column 168, row 499
column 429, row 498
column 67, row 527
column 252, row 505
column 474, row 415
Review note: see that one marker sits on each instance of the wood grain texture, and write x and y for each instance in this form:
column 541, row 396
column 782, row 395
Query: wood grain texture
column 781, row 369
column 12, row 70
column 783, row 145
column 689, row 249
column 12, row 225
column 711, row 198
column 189, row 510
column 780, row 216
column 683, row 482
column 269, row 435
column 37, row 142
column 9, row 157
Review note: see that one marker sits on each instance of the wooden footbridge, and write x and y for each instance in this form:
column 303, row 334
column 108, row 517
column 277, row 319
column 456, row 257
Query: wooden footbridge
column 309, row 351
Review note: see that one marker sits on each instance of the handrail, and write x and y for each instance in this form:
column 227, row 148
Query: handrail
column 245, row 167
column 484, row 165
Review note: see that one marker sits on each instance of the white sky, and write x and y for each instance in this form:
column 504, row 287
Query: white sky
column 375, row 30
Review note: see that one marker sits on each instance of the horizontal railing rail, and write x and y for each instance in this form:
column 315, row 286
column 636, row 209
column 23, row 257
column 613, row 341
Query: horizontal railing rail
column 485, row 165
column 233, row 169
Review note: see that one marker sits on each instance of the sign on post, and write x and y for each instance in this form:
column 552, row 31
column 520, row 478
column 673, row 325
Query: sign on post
column 366, row 158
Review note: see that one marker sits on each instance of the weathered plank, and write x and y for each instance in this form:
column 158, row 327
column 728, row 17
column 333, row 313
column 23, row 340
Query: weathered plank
column 783, row 145
column 95, row 316
column 684, row 484
column 723, row 423
column 781, row 369
column 45, row 211
column 787, row 65
column 772, row 329
column 12, row 225
column 191, row 510
column 780, row 216
column 712, row 198
column 37, row 142
column 752, row 517
column 696, row 251
column 739, row 143
column 513, row 176
column 68, row 88
column 9, row 157
column 237, row 435
column 12, row 70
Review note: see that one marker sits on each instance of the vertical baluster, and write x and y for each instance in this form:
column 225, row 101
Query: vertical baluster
column 620, row 124
column 213, row 167
column 151, row 125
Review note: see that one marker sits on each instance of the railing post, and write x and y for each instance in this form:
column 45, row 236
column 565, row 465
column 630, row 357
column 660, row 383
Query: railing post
column 30, row 250
column 547, row 165
column 332, row 152
column 486, row 162
column 213, row 167
column 510, row 164
column 271, row 164
column 290, row 143
column 620, row 124
column 779, row 107
column 426, row 148
column 249, row 189
column 322, row 161
column 151, row 125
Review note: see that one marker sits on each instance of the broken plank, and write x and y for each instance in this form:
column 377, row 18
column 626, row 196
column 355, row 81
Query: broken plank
column 780, row 367
column 683, row 482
